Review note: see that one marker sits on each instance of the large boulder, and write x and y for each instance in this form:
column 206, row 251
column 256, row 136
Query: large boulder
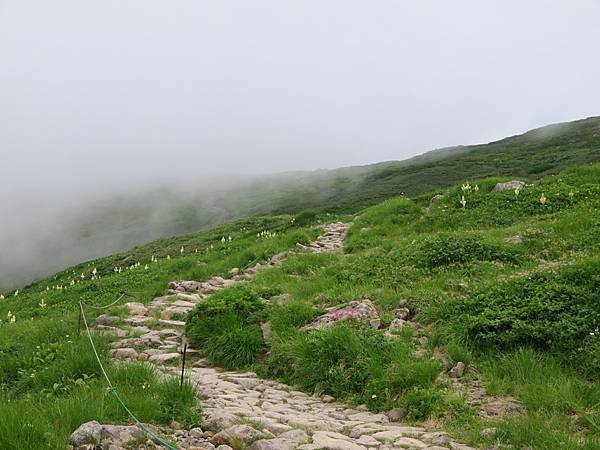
column 512, row 185
column 359, row 310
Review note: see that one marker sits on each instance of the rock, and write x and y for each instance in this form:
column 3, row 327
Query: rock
column 396, row 414
column 172, row 323
column 496, row 407
column 516, row 239
column 119, row 434
column 463, row 286
column 363, row 310
column 436, row 438
column 328, row 399
column 281, row 298
column 164, row 357
column 196, row 433
column 298, row 436
column 436, row 198
column 124, row 353
column 219, row 420
column 105, row 330
column 234, row 272
column 375, row 323
column 279, row 257
column 190, row 299
column 185, row 286
column 266, row 330
column 223, row 447
column 515, row 184
column 407, row 442
column 286, row 441
column 331, row 441
column 402, row 313
column 106, row 319
column 243, row 433
column 457, row 370
column 87, row 433
column 137, row 321
column 488, row 433
column 136, row 308
column 396, row 324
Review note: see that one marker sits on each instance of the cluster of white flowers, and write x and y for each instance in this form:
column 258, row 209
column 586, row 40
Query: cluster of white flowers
column 265, row 234
column 466, row 187
column 11, row 317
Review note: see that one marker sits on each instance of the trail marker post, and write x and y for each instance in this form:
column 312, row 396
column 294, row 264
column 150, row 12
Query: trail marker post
column 184, row 351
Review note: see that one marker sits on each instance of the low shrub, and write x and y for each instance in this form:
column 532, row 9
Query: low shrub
column 421, row 403
column 558, row 312
column 305, row 218
column 446, row 249
column 350, row 360
column 228, row 327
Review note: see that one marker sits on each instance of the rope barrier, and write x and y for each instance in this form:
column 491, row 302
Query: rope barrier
column 113, row 303
column 113, row 389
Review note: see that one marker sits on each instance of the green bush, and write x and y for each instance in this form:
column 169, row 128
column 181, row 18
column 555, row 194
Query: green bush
column 234, row 307
column 350, row 360
column 447, row 249
column 227, row 326
column 420, row 403
column 236, row 347
column 558, row 312
column 305, row 218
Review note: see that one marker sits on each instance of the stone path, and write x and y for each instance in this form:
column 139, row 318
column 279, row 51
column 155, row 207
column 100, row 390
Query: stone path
column 242, row 408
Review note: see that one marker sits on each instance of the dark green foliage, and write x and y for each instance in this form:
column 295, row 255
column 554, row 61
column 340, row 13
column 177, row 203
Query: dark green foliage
column 446, row 249
column 350, row 360
column 420, row 403
column 227, row 327
column 305, row 218
column 235, row 347
column 559, row 312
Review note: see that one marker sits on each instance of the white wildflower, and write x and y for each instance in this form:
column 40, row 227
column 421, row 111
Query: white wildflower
column 463, row 202
column 42, row 304
column 543, row 199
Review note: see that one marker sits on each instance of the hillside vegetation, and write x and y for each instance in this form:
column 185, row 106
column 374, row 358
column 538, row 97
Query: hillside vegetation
column 506, row 283
column 114, row 224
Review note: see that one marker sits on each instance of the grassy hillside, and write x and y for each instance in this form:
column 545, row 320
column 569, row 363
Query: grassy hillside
column 115, row 224
column 534, row 154
column 522, row 316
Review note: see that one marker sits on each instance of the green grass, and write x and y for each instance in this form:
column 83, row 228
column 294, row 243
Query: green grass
column 519, row 314
column 50, row 382
column 523, row 316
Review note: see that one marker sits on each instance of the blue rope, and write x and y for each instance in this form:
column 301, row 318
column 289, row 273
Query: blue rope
column 113, row 390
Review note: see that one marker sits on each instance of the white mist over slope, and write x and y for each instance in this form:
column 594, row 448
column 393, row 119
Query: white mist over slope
column 116, row 98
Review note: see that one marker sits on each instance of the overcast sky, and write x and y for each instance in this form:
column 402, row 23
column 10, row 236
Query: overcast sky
column 113, row 93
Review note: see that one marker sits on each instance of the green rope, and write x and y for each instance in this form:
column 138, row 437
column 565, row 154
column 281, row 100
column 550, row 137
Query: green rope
column 113, row 390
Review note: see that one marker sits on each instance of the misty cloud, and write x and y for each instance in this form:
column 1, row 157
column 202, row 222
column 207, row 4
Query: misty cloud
column 127, row 98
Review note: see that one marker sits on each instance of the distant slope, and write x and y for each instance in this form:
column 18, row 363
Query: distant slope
column 533, row 154
column 115, row 224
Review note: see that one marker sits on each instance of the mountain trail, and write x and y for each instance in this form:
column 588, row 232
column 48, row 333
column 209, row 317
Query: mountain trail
column 260, row 414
